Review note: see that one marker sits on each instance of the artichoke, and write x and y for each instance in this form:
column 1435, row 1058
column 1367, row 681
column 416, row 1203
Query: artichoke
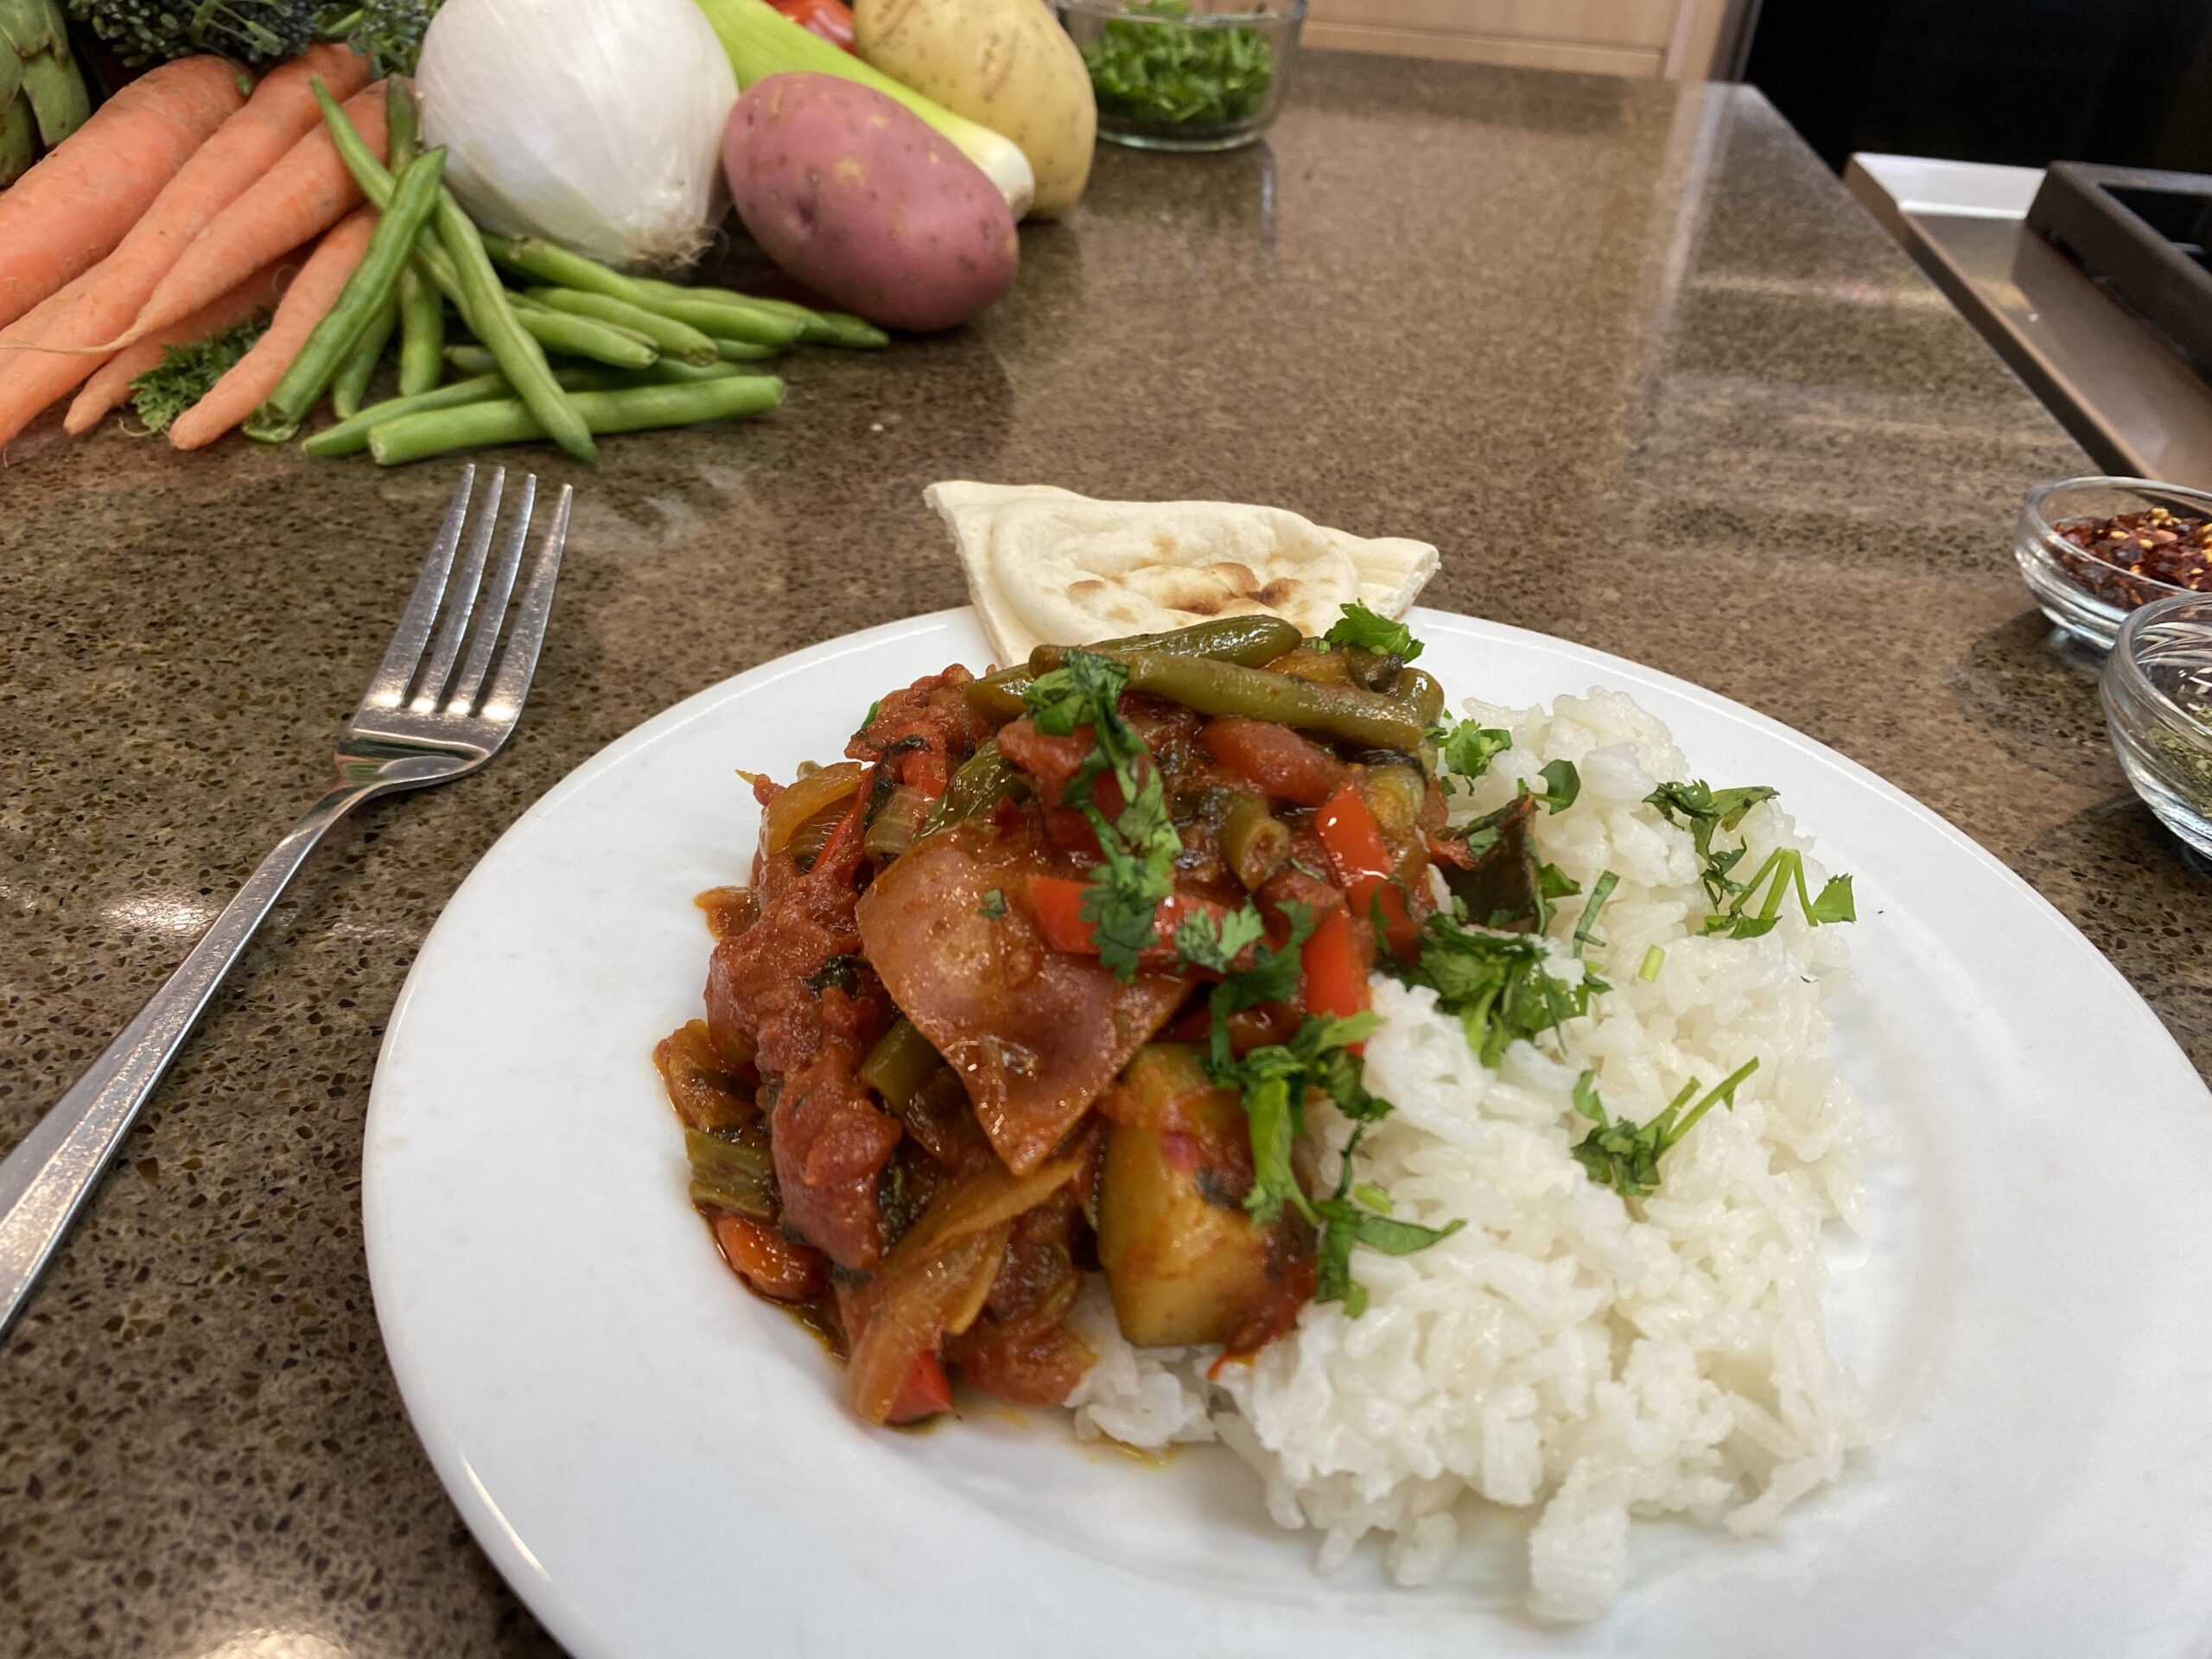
column 42, row 96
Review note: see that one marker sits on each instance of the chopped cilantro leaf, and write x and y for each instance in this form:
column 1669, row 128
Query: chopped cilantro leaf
column 1562, row 783
column 1498, row 984
column 993, row 906
column 1468, row 748
column 1205, row 943
column 1585, row 928
column 1618, row 1154
column 1360, row 629
column 1275, row 1081
column 1705, row 811
column 1138, row 848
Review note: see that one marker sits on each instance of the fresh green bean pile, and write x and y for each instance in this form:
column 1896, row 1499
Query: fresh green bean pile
column 578, row 352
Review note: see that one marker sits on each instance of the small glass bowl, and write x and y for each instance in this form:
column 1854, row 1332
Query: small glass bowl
column 2156, row 691
column 1185, row 74
column 2084, row 594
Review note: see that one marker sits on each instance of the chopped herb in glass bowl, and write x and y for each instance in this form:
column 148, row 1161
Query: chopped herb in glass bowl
column 1185, row 74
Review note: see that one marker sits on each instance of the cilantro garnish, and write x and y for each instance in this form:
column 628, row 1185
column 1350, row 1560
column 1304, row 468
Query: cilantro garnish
column 1562, row 783
column 1360, row 629
column 1584, row 933
column 1275, row 1082
column 1497, row 984
column 1205, row 941
column 1618, row 1154
column 993, row 906
column 1468, row 748
column 1138, row 848
column 1705, row 811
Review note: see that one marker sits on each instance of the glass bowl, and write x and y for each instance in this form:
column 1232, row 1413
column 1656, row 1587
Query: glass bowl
column 1187, row 74
column 2087, row 595
column 2156, row 691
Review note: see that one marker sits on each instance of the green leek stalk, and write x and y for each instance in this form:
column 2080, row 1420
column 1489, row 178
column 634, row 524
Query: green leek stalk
column 761, row 42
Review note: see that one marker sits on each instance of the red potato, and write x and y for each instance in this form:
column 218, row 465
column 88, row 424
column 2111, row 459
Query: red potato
column 865, row 202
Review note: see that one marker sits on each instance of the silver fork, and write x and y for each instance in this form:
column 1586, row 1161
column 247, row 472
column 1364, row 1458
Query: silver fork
column 423, row 721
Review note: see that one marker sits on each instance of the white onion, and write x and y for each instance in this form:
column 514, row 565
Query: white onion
column 594, row 124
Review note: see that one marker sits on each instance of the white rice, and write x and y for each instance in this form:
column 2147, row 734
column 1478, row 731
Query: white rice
column 1568, row 1354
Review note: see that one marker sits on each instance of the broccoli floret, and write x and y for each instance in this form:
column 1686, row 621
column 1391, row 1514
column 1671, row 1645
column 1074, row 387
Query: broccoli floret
column 256, row 31
column 154, row 31
column 389, row 33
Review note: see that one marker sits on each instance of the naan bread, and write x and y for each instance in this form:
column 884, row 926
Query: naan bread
column 1047, row 566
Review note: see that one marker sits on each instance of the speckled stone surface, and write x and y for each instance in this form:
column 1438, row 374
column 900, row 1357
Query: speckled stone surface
column 1626, row 351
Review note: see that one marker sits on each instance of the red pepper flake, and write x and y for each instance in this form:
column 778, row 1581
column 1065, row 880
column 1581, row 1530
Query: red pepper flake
column 2121, row 558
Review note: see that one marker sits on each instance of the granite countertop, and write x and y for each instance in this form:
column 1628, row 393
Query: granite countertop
column 1624, row 351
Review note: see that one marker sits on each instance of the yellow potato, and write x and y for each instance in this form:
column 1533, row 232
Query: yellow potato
column 1005, row 64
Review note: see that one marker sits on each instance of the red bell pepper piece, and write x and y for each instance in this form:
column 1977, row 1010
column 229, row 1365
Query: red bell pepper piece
column 1333, row 976
column 1365, row 869
column 830, row 19
column 1057, row 902
column 926, row 1391
column 768, row 1261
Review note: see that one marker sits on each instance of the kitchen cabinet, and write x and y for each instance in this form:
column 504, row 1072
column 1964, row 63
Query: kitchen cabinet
column 1682, row 39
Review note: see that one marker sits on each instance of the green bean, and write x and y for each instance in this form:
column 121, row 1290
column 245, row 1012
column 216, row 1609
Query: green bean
column 1421, row 691
column 1213, row 687
column 351, row 380
column 495, row 322
column 351, row 436
column 402, row 129
column 422, row 332
column 420, row 308
column 474, row 359
column 1255, row 844
column 629, row 409
column 735, row 1175
column 731, row 322
column 738, row 320
column 367, row 293
column 984, row 779
column 744, row 351
column 901, row 1062
column 818, row 327
column 586, row 337
column 375, row 180
column 892, row 829
column 1247, row 639
column 673, row 338
column 452, row 255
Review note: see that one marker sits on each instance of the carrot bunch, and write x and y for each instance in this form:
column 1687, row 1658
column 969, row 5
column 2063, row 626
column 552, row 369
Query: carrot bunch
column 182, row 206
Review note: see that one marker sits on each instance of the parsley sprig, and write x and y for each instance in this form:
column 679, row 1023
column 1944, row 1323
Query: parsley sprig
column 1138, row 848
column 1738, row 911
column 1618, row 1154
column 1467, row 748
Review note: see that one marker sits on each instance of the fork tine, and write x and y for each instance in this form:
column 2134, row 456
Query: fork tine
column 460, row 598
column 388, row 689
column 519, row 661
column 492, row 604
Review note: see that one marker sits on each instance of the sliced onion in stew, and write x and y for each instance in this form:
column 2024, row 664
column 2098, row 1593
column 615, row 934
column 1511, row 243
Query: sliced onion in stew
column 812, row 797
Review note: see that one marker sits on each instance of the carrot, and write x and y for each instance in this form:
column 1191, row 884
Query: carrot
column 111, row 382
column 304, row 194
column 254, row 375
column 68, row 212
column 106, row 298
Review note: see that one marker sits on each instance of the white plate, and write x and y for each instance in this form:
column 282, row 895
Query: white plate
column 658, row 1463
